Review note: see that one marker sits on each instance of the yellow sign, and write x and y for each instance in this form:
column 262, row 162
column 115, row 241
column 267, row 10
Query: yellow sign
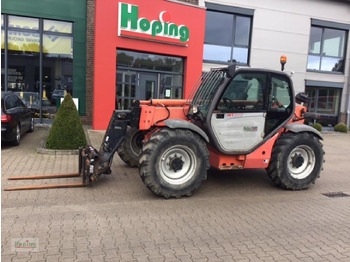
column 52, row 44
column 29, row 39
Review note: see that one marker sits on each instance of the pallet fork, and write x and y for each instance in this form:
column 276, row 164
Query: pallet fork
column 92, row 163
column 86, row 156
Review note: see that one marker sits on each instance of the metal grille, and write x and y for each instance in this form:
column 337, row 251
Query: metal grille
column 205, row 88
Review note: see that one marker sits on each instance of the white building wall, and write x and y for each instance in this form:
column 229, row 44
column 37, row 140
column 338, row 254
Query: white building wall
column 282, row 27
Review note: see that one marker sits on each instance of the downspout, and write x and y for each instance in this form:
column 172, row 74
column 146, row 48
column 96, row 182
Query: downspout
column 348, row 102
column 348, row 98
column 348, row 110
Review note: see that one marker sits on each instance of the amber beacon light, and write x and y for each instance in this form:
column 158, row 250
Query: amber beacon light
column 283, row 61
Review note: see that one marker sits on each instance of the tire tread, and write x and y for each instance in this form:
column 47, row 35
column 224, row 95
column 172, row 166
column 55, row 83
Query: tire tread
column 150, row 149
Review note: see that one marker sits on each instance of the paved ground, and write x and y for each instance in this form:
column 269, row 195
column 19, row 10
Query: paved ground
column 235, row 216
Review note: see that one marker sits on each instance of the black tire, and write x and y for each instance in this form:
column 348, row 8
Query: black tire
column 31, row 128
column 17, row 140
column 173, row 162
column 130, row 149
column 296, row 161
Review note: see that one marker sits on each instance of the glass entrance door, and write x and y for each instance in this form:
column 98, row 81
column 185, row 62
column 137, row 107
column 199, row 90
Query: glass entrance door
column 144, row 76
column 148, row 86
column 140, row 85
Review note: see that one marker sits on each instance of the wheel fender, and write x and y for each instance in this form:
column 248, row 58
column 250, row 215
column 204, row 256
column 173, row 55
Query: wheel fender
column 179, row 123
column 297, row 128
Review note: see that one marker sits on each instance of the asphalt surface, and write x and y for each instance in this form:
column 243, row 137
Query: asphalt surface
column 235, row 216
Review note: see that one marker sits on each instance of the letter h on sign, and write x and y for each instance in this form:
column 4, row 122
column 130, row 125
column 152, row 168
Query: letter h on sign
column 129, row 15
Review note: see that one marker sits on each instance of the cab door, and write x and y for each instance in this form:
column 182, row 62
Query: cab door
column 238, row 120
column 253, row 106
column 280, row 106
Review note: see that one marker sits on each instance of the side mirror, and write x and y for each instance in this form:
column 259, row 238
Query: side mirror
column 302, row 97
column 231, row 69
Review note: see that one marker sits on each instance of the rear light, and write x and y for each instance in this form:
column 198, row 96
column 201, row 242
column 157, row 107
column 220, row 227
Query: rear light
column 5, row 118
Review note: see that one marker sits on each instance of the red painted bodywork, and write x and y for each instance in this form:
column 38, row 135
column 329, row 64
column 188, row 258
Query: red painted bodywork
column 107, row 42
column 257, row 159
column 153, row 112
column 260, row 158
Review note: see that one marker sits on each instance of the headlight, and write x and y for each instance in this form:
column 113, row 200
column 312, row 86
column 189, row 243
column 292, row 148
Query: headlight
column 193, row 110
column 121, row 115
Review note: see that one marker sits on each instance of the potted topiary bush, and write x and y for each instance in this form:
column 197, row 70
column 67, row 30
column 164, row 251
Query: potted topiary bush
column 341, row 127
column 317, row 126
column 67, row 130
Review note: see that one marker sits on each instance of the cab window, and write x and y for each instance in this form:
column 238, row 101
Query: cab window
column 244, row 93
column 280, row 103
column 280, row 96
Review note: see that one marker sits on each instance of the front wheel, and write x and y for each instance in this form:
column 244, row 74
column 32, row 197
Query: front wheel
column 296, row 161
column 130, row 148
column 173, row 162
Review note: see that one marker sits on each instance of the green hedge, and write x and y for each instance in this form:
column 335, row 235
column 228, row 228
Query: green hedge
column 341, row 127
column 67, row 130
column 317, row 126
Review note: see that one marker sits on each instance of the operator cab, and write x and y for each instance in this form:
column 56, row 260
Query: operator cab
column 245, row 108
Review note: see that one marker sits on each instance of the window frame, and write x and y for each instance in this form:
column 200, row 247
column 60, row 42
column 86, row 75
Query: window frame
column 6, row 27
column 323, row 25
column 239, row 96
column 317, row 86
column 139, row 70
column 235, row 12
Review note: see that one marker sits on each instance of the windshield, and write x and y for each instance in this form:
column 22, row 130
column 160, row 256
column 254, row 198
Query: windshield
column 30, row 99
column 58, row 92
column 203, row 92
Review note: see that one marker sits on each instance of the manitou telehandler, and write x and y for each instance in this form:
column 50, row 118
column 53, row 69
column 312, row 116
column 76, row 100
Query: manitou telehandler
column 235, row 118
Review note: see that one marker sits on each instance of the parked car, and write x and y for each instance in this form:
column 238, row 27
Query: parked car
column 57, row 94
column 32, row 101
column 16, row 118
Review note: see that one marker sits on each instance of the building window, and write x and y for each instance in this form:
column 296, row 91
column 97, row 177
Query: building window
column 36, row 56
column 126, row 88
column 227, row 34
column 326, row 102
column 144, row 76
column 327, row 47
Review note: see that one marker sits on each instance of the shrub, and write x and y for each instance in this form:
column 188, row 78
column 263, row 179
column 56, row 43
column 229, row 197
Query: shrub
column 323, row 122
column 317, row 126
column 341, row 127
column 67, row 131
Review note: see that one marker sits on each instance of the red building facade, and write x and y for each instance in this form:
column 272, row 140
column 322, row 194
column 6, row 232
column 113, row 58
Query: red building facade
column 142, row 50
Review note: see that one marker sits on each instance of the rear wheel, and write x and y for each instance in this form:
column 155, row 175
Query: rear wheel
column 296, row 161
column 31, row 128
column 174, row 162
column 130, row 148
column 17, row 135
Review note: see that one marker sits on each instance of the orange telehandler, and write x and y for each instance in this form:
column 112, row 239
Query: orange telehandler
column 235, row 118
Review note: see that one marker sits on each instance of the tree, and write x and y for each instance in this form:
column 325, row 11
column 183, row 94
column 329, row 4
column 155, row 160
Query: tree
column 67, row 130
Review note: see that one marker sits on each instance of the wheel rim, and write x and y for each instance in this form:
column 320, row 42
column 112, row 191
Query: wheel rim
column 177, row 165
column 301, row 162
column 136, row 143
column 18, row 133
column 32, row 124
